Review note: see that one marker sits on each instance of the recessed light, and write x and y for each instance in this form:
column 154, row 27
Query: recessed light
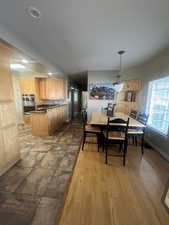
column 17, row 66
column 25, row 61
column 33, row 12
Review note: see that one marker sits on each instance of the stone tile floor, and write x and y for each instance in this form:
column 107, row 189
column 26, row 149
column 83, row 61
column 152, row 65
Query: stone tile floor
column 32, row 192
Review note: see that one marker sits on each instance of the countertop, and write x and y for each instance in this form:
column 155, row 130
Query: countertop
column 45, row 108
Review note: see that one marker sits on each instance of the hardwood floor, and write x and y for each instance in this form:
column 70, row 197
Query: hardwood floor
column 111, row 194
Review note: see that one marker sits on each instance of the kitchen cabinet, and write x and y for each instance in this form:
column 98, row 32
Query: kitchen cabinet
column 51, row 88
column 132, row 85
column 27, row 118
column 46, row 123
column 27, row 85
column 30, row 85
column 127, row 106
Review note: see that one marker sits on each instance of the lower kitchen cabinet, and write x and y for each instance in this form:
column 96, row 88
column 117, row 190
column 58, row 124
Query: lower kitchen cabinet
column 27, row 118
column 46, row 123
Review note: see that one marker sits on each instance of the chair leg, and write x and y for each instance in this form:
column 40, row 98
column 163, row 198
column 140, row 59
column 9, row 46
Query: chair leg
column 142, row 144
column 84, row 140
column 102, row 141
column 98, row 142
column 124, row 156
column 135, row 140
column 124, row 153
column 106, row 150
column 120, row 147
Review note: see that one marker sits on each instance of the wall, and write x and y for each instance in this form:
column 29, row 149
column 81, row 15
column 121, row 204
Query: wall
column 100, row 77
column 17, row 98
column 156, row 68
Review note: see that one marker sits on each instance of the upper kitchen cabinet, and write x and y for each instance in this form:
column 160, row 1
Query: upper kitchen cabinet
column 132, row 85
column 52, row 88
column 30, row 85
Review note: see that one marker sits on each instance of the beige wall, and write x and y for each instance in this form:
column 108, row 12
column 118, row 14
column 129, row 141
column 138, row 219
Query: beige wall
column 17, row 98
column 156, row 68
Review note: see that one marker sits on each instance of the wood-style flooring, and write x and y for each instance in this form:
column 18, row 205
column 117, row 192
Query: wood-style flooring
column 111, row 194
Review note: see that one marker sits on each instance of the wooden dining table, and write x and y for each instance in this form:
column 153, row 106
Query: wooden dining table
column 100, row 119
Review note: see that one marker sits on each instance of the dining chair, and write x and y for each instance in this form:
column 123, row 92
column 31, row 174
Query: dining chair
column 116, row 133
column 90, row 131
column 139, row 132
column 133, row 114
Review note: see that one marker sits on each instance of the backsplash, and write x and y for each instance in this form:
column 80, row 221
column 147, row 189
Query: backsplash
column 53, row 102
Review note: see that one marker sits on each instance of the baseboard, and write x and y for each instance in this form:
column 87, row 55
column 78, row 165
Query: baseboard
column 157, row 149
column 9, row 167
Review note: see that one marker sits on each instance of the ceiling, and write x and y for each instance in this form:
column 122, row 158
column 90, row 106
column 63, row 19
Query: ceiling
column 78, row 35
column 12, row 56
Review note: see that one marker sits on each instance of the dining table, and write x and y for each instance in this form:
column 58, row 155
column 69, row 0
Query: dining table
column 100, row 119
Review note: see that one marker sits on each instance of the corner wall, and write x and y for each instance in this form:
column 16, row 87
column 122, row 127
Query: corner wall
column 157, row 68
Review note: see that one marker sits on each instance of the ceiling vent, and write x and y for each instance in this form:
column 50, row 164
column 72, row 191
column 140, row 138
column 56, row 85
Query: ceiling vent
column 33, row 12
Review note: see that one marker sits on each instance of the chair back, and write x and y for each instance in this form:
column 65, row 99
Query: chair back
column 117, row 125
column 110, row 109
column 133, row 114
column 142, row 118
column 84, row 118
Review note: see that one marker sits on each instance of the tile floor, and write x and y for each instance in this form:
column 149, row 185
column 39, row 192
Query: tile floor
column 32, row 192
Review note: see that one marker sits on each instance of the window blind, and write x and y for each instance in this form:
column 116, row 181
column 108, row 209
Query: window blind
column 159, row 105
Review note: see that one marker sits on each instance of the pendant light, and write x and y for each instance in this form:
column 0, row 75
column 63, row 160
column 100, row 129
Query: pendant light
column 118, row 85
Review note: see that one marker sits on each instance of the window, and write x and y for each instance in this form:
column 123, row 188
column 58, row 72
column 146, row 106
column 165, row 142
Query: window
column 158, row 105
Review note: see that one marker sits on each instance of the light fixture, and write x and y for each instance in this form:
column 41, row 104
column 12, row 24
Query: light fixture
column 33, row 12
column 49, row 73
column 17, row 66
column 118, row 85
column 25, row 61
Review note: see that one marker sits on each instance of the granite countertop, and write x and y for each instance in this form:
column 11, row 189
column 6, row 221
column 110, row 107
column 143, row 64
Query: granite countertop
column 45, row 108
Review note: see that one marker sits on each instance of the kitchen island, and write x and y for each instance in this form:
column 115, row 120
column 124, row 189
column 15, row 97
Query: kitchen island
column 46, row 121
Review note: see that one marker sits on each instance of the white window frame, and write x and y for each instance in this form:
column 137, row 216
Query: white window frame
column 148, row 104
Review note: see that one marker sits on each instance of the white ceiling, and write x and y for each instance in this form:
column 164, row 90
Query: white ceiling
column 79, row 35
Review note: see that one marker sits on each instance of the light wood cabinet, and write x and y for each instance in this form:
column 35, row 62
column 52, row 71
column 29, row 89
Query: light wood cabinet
column 27, row 119
column 132, row 85
column 27, row 85
column 126, row 106
column 52, row 88
column 30, row 85
column 45, row 124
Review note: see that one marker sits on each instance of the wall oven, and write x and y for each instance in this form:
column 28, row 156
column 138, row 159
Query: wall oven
column 28, row 102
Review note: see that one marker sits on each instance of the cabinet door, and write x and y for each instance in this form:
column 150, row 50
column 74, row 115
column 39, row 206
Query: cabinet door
column 42, row 88
column 58, row 88
column 62, row 89
column 51, row 88
column 27, row 85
